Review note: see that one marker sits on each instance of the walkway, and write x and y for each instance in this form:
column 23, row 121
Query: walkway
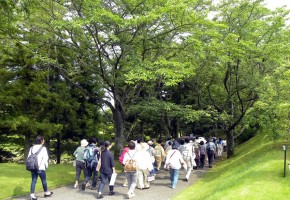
column 160, row 189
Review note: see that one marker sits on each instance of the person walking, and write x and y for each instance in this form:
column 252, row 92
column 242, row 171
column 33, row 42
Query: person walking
column 106, row 170
column 144, row 167
column 131, row 176
column 188, row 155
column 80, row 163
column 159, row 154
column 42, row 159
column 121, row 158
column 91, row 156
column 210, row 147
column 202, row 151
column 174, row 160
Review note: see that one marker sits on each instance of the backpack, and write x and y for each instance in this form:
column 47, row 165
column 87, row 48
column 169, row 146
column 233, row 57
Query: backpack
column 32, row 160
column 187, row 153
column 90, row 156
column 121, row 157
column 131, row 164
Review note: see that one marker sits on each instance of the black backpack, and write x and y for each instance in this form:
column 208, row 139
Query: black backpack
column 32, row 161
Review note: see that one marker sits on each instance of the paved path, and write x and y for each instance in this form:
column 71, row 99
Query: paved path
column 159, row 189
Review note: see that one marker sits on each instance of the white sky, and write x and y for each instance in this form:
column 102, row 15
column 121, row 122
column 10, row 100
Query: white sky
column 272, row 4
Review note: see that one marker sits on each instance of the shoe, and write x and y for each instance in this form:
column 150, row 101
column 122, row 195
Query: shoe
column 33, row 198
column 146, row 188
column 130, row 195
column 76, row 185
column 83, row 186
column 125, row 185
column 48, row 194
column 111, row 193
column 100, row 196
column 88, row 184
column 186, row 180
column 93, row 188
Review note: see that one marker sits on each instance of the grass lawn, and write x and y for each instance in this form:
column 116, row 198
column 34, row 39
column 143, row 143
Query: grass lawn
column 15, row 179
column 255, row 173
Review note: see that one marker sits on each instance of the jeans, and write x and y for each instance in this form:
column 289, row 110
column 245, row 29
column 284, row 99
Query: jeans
column 104, row 178
column 132, row 180
column 80, row 166
column 91, row 172
column 210, row 154
column 34, row 176
column 174, row 173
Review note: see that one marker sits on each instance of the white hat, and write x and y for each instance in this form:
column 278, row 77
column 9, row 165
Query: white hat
column 84, row 143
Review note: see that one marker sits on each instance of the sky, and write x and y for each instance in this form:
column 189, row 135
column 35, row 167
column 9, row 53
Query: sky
column 272, row 4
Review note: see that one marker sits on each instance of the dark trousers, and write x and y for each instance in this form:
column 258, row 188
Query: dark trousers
column 202, row 159
column 80, row 166
column 91, row 172
column 210, row 154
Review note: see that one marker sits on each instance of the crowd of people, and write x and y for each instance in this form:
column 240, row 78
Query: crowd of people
column 141, row 160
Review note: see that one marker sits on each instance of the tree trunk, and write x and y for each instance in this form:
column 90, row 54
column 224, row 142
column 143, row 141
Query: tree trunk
column 27, row 145
column 119, row 119
column 58, row 149
column 230, row 144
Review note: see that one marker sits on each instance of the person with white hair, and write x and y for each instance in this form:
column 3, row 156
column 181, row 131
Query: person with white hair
column 80, row 163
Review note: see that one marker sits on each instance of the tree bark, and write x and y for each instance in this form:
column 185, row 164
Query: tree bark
column 119, row 119
column 230, row 144
column 58, row 148
column 27, row 145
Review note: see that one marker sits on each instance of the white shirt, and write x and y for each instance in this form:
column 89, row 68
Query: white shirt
column 144, row 160
column 42, row 157
column 174, row 158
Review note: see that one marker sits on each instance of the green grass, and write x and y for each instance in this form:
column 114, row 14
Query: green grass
column 256, row 172
column 15, row 179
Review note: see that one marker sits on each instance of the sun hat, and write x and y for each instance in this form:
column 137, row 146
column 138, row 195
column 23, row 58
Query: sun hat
column 84, row 143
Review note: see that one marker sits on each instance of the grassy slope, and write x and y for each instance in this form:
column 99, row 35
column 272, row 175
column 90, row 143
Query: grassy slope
column 256, row 172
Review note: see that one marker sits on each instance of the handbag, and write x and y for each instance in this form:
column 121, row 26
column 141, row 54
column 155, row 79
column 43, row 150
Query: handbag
column 74, row 163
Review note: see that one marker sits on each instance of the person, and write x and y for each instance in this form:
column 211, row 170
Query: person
column 159, row 154
column 169, row 147
column 210, row 147
column 188, row 154
column 174, row 160
column 91, row 166
column 121, row 158
column 151, row 151
column 42, row 159
column 106, row 170
column 219, row 147
column 197, row 154
column 202, row 151
column 131, row 175
column 144, row 167
column 80, row 163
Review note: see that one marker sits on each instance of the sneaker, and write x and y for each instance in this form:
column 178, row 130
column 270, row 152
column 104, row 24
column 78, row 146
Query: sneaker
column 125, row 185
column 100, row 196
column 48, row 194
column 129, row 195
column 88, row 184
column 111, row 193
column 83, row 186
column 76, row 185
column 33, row 198
column 93, row 188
